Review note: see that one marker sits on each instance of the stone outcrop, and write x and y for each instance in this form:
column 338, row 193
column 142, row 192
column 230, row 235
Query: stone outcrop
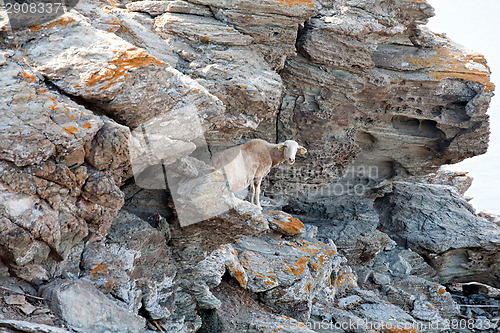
column 112, row 218
column 83, row 308
column 434, row 221
column 361, row 83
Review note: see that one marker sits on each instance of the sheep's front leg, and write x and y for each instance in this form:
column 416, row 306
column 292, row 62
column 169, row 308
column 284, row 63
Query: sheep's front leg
column 252, row 192
column 257, row 191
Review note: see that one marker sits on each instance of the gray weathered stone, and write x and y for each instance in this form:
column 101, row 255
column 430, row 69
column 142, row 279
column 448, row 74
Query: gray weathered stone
column 116, row 75
column 134, row 265
column 83, row 308
column 434, row 221
column 155, row 8
column 200, row 29
column 25, row 326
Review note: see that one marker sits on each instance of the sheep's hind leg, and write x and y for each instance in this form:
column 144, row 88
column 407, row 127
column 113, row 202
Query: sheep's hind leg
column 257, row 191
column 252, row 192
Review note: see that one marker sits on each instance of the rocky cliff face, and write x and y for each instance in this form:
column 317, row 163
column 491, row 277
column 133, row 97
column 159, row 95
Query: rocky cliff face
column 110, row 114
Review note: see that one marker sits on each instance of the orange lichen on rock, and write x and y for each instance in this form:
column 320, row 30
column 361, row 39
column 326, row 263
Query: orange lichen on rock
column 294, row 226
column 114, row 24
column 239, row 274
column 344, row 278
column 313, row 249
column 29, row 77
column 257, row 268
column 100, row 269
column 291, row 3
column 54, row 105
column 70, row 130
column 285, row 223
column 63, row 20
column 235, row 269
column 298, row 267
column 116, row 70
column 319, row 261
column 87, row 126
column 452, row 63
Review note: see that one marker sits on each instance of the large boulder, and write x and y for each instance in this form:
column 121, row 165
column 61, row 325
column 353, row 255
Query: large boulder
column 83, row 308
column 436, row 222
column 134, row 265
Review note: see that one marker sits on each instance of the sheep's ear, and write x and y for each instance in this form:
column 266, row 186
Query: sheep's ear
column 280, row 146
column 302, row 150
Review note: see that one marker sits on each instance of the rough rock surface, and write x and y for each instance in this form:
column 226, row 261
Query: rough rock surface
column 134, row 265
column 358, row 94
column 110, row 207
column 84, row 309
column 437, row 223
column 352, row 224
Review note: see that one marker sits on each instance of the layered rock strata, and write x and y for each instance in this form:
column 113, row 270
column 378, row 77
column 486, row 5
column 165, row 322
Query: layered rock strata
column 108, row 120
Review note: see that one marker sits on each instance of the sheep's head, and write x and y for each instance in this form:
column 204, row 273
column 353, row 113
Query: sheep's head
column 290, row 149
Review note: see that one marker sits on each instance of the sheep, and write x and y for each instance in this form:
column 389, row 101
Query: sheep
column 245, row 165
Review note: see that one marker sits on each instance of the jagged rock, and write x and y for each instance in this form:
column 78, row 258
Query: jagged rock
column 155, row 8
column 341, row 98
column 372, row 94
column 425, row 311
column 134, row 265
column 352, row 225
column 25, row 326
column 135, row 28
column 102, row 190
column 399, row 262
column 288, row 274
column 101, row 201
column 15, row 299
column 348, row 301
column 241, row 312
column 458, row 180
column 162, row 141
column 385, row 314
column 285, row 223
column 381, row 279
column 35, row 274
column 491, row 217
column 32, row 228
column 244, row 82
column 200, row 29
column 203, row 197
column 83, row 308
column 434, row 221
column 344, row 279
column 198, row 279
column 118, row 75
column 278, row 324
column 292, row 8
column 109, row 150
column 38, row 123
column 346, row 319
column 194, row 242
column 425, row 290
column 274, row 35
